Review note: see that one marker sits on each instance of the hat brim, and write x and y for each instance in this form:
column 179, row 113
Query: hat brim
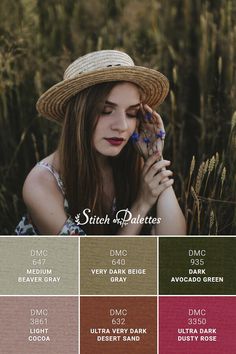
column 154, row 85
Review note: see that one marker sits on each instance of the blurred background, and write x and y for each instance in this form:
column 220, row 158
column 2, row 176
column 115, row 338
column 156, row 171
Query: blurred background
column 192, row 42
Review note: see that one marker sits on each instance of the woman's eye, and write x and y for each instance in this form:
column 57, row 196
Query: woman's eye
column 106, row 111
column 132, row 114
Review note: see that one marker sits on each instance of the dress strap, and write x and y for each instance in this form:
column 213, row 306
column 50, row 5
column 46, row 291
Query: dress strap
column 54, row 173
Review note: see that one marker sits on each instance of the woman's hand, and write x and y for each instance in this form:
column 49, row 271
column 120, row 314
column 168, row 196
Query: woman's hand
column 154, row 180
column 150, row 133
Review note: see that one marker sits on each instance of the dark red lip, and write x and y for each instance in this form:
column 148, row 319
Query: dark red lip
column 115, row 141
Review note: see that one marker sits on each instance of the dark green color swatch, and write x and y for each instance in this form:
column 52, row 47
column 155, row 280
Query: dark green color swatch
column 197, row 265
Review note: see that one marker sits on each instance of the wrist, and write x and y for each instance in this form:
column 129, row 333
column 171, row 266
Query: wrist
column 141, row 208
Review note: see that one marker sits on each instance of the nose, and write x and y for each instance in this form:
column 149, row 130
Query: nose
column 120, row 122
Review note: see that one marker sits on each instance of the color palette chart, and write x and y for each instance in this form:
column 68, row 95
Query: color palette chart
column 118, row 294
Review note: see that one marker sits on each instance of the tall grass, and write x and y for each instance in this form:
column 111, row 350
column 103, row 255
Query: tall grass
column 192, row 42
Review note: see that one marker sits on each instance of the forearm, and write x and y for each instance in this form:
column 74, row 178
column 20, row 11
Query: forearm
column 172, row 218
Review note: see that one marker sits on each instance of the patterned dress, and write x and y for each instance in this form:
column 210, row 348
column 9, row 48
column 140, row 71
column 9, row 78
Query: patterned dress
column 26, row 226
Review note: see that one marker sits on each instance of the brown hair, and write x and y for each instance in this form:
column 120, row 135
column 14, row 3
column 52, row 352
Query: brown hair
column 78, row 165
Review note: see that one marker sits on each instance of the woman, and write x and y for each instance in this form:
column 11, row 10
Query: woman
column 108, row 164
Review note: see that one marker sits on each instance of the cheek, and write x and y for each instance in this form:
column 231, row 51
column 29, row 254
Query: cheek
column 132, row 125
column 99, row 128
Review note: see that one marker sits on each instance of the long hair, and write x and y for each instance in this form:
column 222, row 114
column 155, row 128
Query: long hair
column 78, row 165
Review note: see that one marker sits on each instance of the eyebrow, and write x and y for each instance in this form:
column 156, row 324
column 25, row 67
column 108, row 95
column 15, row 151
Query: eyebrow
column 115, row 105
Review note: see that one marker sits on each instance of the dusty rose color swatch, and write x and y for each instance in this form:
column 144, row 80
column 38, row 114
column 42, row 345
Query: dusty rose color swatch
column 54, row 318
column 214, row 332
column 120, row 319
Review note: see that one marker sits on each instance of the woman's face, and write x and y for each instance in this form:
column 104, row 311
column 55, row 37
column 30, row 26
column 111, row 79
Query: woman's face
column 118, row 119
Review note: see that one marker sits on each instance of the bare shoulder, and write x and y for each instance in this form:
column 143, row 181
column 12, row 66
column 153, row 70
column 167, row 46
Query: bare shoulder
column 44, row 201
column 39, row 183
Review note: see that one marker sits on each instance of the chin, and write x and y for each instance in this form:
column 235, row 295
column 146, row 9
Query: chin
column 111, row 153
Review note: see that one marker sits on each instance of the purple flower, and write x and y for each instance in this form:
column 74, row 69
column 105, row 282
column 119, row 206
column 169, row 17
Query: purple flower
column 161, row 134
column 135, row 137
column 148, row 115
column 146, row 140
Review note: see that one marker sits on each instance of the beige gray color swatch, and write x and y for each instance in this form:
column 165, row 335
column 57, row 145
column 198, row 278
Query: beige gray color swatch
column 118, row 265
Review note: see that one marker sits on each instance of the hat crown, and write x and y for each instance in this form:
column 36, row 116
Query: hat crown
column 97, row 60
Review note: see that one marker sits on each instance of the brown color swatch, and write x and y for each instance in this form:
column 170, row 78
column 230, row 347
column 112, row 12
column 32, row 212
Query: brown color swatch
column 118, row 325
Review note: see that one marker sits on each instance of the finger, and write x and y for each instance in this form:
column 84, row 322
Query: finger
column 156, row 117
column 143, row 114
column 147, row 108
column 150, row 161
column 153, row 160
column 166, row 185
column 155, row 177
column 148, row 114
column 135, row 138
column 161, row 187
column 142, row 109
column 159, row 144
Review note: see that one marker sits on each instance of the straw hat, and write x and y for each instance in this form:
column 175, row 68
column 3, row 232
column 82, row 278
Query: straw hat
column 97, row 67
